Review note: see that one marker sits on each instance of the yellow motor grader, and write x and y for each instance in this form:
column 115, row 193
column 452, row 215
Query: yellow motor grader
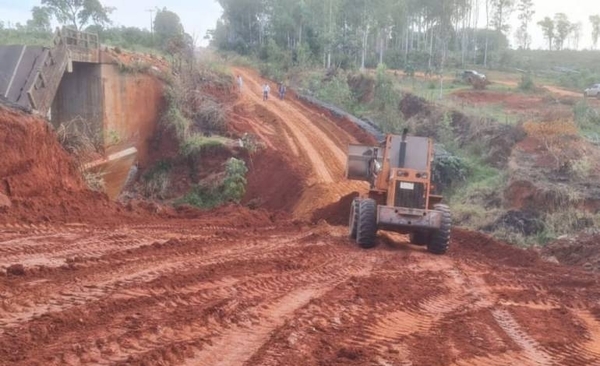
column 401, row 195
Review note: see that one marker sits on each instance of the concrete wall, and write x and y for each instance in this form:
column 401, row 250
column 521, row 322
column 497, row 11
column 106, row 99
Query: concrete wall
column 132, row 109
column 120, row 109
column 80, row 98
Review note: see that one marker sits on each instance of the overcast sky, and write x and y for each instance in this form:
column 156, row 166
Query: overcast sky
column 198, row 16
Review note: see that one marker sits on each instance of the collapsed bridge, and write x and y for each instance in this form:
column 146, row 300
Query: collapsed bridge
column 81, row 86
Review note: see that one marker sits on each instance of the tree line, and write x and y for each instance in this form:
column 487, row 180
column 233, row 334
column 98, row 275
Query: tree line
column 167, row 35
column 398, row 33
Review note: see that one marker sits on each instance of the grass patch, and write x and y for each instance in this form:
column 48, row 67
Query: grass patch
column 196, row 144
column 478, row 203
column 231, row 189
column 567, row 222
column 94, row 181
column 156, row 180
column 136, row 67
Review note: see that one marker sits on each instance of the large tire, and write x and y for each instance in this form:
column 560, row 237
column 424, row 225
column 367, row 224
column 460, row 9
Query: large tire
column 353, row 220
column 420, row 238
column 366, row 230
column 440, row 239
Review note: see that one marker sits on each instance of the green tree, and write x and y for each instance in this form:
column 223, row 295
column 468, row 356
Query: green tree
column 78, row 13
column 575, row 34
column 502, row 9
column 526, row 12
column 40, row 20
column 168, row 29
column 246, row 23
column 563, row 29
column 595, row 20
column 548, row 26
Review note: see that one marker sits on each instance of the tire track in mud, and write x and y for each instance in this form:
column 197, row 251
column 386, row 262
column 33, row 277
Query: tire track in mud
column 104, row 279
column 239, row 343
column 273, row 289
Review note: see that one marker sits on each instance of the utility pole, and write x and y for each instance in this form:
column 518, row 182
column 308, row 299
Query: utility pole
column 151, row 11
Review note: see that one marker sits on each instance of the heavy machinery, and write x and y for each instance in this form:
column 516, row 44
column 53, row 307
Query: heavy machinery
column 401, row 195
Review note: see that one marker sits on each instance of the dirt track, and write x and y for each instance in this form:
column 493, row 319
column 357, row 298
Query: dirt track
column 187, row 292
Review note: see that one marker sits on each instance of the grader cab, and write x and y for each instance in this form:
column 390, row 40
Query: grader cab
column 401, row 195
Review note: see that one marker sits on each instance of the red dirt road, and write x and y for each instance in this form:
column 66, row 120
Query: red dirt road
column 252, row 291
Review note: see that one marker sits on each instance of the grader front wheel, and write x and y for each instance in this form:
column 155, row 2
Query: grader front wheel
column 366, row 230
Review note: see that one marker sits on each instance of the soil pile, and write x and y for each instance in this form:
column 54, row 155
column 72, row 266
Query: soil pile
column 582, row 250
column 336, row 213
column 38, row 177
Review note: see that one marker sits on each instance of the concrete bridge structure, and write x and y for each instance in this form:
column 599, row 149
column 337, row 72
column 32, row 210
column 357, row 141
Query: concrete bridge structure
column 78, row 84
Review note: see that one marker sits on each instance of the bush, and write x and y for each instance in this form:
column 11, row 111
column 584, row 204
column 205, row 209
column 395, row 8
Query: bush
column 579, row 80
column 569, row 221
column 211, row 116
column 156, row 180
column 234, row 185
column 197, row 143
column 526, row 83
column 448, row 170
column 586, row 117
column 173, row 117
column 202, row 196
column 336, row 91
column 581, row 168
column 233, row 188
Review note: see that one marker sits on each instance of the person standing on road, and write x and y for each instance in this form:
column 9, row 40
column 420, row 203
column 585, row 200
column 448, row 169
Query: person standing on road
column 240, row 82
column 266, row 90
column 281, row 91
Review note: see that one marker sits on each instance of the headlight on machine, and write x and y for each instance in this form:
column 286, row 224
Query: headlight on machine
column 422, row 175
column 402, row 173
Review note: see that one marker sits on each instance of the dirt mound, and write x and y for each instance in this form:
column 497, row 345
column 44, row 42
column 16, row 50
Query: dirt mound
column 274, row 183
column 411, row 105
column 39, row 177
column 362, row 87
column 336, row 213
column 468, row 244
column 583, row 250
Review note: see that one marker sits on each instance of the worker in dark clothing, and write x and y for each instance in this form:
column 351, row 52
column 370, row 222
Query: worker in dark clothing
column 282, row 90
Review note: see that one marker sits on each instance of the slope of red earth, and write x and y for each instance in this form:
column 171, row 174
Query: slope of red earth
column 240, row 287
column 38, row 176
column 40, row 184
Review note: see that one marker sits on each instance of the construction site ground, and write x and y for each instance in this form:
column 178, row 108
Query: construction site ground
column 242, row 287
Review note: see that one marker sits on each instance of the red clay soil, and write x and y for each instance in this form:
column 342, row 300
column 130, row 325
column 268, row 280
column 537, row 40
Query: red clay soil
column 42, row 184
column 351, row 128
column 337, row 213
column 39, row 177
column 239, row 287
column 274, row 183
column 510, row 101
